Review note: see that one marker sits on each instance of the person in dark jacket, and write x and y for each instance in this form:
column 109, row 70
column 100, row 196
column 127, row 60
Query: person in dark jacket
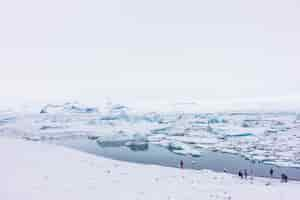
column 271, row 172
column 284, row 178
column 181, row 164
column 240, row 174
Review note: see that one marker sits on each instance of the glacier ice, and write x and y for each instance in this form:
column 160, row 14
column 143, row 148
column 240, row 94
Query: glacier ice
column 266, row 137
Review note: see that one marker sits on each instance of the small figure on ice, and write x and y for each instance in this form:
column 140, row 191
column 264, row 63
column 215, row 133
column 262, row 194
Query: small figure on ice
column 181, row 164
column 271, row 172
column 284, row 178
column 240, row 174
column 251, row 174
column 245, row 173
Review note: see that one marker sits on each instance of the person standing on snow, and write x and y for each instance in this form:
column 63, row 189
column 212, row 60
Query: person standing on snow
column 240, row 174
column 245, row 173
column 181, row 164
column 271, row 172
column 284, row 178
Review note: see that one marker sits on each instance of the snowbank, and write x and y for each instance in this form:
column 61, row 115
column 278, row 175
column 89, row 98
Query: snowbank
column 35, row 171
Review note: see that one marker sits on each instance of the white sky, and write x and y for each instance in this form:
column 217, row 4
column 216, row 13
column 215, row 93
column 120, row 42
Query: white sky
column 158, row 49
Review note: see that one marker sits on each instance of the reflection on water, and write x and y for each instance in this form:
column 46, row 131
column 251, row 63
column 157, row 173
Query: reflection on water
column 132, row 145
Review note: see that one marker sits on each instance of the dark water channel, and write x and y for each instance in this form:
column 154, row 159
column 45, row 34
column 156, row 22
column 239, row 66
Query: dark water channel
column 158, row 155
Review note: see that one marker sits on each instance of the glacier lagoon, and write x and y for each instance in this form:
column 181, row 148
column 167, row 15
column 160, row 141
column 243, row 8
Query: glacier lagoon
column 154, row 154
column 271, row 138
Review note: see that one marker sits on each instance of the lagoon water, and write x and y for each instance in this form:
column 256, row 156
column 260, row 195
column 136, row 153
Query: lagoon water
column 158, row 155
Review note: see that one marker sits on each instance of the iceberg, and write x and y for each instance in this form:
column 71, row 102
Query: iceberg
column 137, row 145
column 68, row 107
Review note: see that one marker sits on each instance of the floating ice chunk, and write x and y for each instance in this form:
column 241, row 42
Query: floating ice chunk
column 117, row 112
column 111, row 117
column 7, row 120
column 183, row 149
column 195, row 139
column 230, row 151
column 137, row 145
column 175, row 146
column 272, row 130
column 192, row 152
column 32, row 138
column 118, row 140
column 238, row 134
column 213, row 120
column 152, row 117
column 92, row 137
column 163, row 130
column 68, row 107
column 156, row 138
column 260, row 158
column 208, row 141
column 283, row 163
column 119, row 107
column 46, row 127
column 115, row 140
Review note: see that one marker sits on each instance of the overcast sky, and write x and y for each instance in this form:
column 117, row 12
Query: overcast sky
column 156, row 49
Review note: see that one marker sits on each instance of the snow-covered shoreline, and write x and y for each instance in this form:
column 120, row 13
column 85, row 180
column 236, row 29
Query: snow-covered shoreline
column 31, row 170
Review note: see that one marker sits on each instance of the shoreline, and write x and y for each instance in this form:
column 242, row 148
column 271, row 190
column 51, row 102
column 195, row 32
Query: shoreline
column 44, row 171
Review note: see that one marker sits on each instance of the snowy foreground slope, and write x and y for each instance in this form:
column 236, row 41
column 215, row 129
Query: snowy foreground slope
column 35, row 171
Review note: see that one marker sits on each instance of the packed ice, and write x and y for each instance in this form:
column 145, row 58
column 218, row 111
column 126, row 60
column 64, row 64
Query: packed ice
column 269, row 137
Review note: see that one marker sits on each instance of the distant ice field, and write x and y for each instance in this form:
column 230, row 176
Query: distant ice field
column 271, row 138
